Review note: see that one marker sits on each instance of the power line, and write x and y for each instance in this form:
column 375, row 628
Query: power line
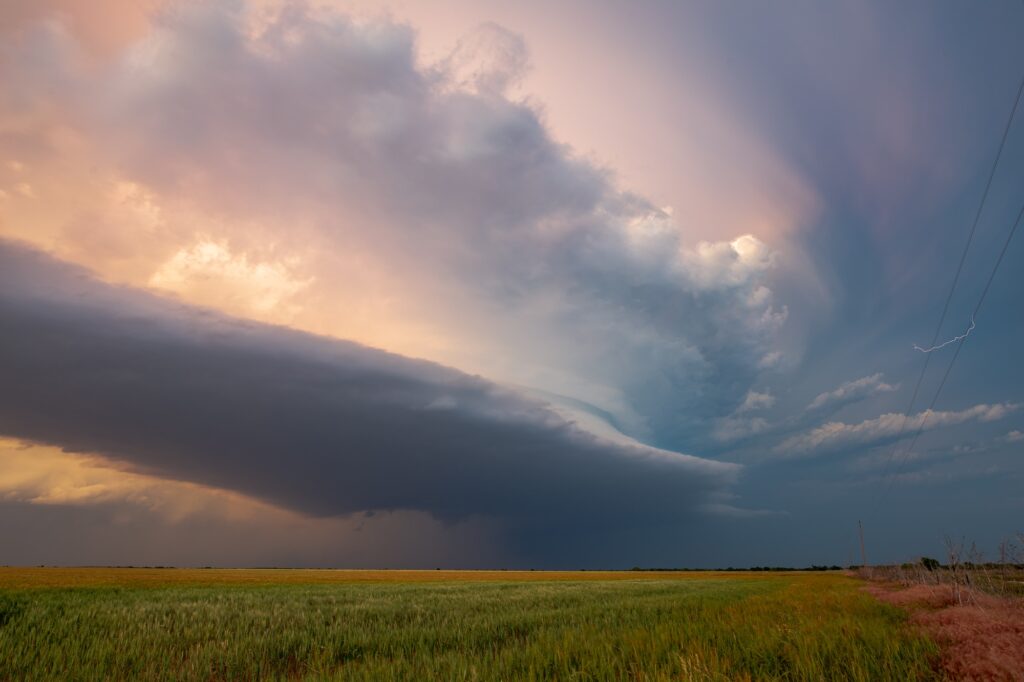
column 927, row 413
column 956, row 280
column 977, row 215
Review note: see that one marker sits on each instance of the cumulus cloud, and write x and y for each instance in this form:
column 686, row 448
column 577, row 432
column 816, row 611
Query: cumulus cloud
column 518, row 259
column 734, row 263
column 319, row 426
column 852, row 391
column 488, row 61
column 836, row 436
column 237, row 282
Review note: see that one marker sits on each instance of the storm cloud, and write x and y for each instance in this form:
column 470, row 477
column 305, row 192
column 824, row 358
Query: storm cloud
column 316, row 425
column 630, row 231
column 312, row 128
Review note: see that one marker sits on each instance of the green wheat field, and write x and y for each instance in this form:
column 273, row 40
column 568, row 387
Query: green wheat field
column 212, row 624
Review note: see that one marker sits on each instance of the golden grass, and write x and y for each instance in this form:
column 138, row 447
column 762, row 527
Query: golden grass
column 248, row 624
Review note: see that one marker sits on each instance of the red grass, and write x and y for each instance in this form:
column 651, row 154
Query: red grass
column 979, row 643
column 981, row 640
column 931, row 596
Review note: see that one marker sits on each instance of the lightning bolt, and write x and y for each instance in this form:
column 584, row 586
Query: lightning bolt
column 952, row 340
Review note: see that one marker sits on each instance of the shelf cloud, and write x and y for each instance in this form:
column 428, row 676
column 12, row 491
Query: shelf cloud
column 316, row 425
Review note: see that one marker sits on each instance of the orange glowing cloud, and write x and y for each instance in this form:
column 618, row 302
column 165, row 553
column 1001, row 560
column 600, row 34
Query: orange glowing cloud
column 419, row 202
column 163, row 521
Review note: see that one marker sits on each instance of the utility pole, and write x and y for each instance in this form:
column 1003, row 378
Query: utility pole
column 863, row 556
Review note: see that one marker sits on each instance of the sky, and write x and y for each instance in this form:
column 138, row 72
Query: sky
column 474, row 284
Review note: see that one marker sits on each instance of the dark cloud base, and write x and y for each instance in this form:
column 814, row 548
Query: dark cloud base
column 320, row 426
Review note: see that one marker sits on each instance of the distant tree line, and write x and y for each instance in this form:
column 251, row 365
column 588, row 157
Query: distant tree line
column 814, row 567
